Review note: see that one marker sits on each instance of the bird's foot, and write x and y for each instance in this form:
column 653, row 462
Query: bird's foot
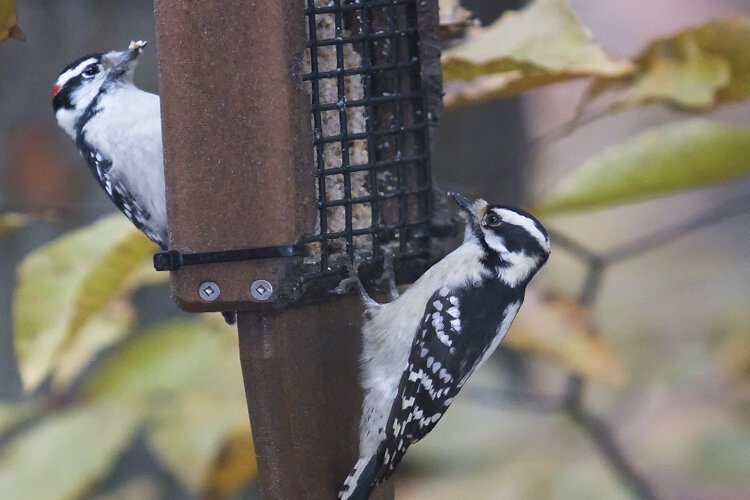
column 388, row 278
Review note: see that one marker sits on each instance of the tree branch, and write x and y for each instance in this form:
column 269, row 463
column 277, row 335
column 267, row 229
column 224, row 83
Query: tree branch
column 604, row 440
column 573, row 406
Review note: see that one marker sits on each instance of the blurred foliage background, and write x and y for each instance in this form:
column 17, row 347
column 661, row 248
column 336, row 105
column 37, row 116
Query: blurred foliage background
column 627, row 374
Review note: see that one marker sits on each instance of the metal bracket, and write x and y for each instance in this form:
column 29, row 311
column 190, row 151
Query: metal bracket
column 172, row 260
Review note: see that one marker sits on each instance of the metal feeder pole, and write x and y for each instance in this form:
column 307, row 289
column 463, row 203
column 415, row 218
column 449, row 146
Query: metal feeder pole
column 240, row 174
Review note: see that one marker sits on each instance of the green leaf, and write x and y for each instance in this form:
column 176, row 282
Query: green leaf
column 14, row 413
column 195, row 355
column 695, row 69
column 66, row 453
column 65, row 283
column 107, row 276
column 192, row 369
column 103, row 330
column 541, row 44
column 8, row 22
column 680, row 73
column 684, row 155
column 188, row 440
column 10, row 222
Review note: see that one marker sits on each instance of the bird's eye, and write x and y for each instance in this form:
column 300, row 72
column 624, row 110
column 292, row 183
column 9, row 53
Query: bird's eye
column 492, row 219
column 90, row 71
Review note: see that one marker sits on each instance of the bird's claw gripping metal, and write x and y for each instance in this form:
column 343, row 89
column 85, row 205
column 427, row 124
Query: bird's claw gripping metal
column 352, row 268
column 388, row 278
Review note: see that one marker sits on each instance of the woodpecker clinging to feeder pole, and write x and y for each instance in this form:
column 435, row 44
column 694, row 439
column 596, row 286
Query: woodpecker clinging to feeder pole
column 117, row 129
column 420, row 349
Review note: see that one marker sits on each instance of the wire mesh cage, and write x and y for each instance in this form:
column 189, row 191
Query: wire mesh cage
column 372, row 115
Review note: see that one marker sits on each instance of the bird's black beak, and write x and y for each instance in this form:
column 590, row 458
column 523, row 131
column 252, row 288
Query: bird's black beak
column 128, row 56
column 473, row 211
column 122, row 63
column 465, row 205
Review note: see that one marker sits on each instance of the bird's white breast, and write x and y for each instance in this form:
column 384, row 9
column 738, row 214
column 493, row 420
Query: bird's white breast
column 127, row 130
column 388, row 337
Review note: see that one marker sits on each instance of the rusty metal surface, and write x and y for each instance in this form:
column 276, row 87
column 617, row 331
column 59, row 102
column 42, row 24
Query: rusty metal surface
column 239, row 170
column 428, row 24
column 301, row 370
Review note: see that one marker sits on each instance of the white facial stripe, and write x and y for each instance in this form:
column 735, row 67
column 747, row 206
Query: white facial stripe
column 73, row 72
column 521, row 266
column 495, row 242
column 517, row 219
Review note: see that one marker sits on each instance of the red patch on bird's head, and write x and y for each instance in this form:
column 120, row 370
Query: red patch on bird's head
column 55, row 90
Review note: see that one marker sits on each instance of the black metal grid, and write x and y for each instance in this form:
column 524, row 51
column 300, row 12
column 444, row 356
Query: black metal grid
column 376, row 45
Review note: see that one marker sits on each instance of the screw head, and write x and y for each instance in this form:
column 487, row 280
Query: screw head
column 261, row 290
column 209, row 291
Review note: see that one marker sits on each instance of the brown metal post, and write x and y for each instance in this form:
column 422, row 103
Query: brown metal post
column 303, row 403
column 237, row 141
column 239, row 174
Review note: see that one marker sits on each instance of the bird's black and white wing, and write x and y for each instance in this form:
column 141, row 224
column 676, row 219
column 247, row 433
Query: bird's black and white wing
column 442, row 358
column 119, row 193
column 128, row 164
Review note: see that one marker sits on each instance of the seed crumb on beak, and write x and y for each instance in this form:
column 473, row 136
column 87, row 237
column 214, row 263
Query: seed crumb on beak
column 137, row 45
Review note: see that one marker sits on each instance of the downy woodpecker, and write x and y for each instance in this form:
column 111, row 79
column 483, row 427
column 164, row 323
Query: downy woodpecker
column 117, row 128
column 421, row 348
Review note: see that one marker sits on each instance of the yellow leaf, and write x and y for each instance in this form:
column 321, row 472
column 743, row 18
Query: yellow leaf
column 681, row 73
column 670, row 158
column 10, row 222
column 103, row 330
column 544, row 41
column 694, row 69
column 505, row 84
column 108, row 275
column 234, row 467
column 8, row 22
column 63, row 284
column 562, row 330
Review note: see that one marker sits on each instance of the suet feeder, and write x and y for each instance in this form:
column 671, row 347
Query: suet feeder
column 297, row 136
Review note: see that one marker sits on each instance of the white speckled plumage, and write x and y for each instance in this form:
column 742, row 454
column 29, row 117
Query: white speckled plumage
column 420, row 349
column 394, row 325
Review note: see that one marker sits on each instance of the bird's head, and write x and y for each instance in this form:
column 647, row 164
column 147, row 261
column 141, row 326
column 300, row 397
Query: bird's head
column 84, row 79
column 515, row 244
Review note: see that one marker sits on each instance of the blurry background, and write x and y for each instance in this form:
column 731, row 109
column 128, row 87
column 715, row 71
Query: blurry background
column 671, row 384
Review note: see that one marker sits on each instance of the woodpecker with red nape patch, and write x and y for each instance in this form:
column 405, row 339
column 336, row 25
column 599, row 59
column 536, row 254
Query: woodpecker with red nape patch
column 117, row 129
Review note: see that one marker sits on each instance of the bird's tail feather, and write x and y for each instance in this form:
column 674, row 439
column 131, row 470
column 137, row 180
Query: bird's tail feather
column 361, row 480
